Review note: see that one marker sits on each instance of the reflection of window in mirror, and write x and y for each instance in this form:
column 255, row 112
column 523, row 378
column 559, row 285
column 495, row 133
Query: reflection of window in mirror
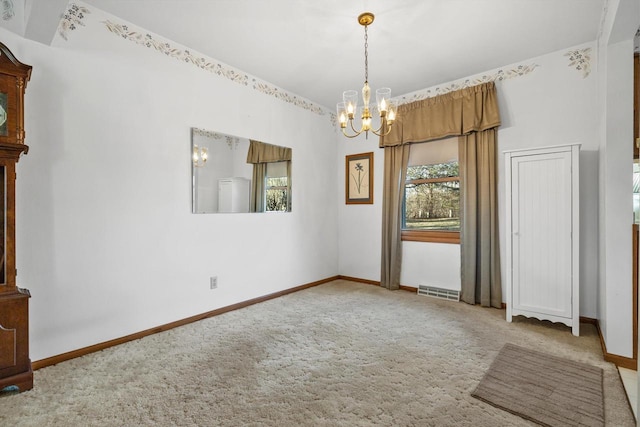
column 277, row 187
column 271, row 180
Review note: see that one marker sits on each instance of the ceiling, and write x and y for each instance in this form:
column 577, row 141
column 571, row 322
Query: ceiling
column 316, row 48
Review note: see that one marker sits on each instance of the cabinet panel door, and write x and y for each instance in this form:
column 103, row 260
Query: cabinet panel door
column 541, row 233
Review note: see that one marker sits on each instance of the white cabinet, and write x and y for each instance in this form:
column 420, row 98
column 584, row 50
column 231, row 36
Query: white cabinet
column 233, row 194
column 542, row 225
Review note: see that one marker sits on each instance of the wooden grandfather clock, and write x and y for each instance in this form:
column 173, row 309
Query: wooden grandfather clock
column 15, row 365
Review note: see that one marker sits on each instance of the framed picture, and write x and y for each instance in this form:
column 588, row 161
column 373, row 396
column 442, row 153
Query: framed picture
column 359, row 179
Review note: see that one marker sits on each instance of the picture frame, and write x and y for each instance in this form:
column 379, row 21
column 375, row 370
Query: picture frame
column 359, row 179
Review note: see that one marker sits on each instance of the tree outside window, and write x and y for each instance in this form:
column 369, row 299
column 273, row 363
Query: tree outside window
column 432, row 197
column 431, row 205
column 276, row 194
column 277, row 187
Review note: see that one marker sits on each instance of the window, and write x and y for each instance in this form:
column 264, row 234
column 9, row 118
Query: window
column 431, row 206
column 277, row 187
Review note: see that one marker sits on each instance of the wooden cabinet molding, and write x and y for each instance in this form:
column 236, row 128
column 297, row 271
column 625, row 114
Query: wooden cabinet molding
column 15, row 365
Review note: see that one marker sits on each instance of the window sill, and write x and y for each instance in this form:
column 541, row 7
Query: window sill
column 431, row 236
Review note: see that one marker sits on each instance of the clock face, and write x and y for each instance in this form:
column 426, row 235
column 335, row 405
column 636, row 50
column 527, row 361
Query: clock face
column 3, row 114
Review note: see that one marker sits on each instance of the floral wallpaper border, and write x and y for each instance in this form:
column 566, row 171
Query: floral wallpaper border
column 232, row 141
column 183, row 55
column 580, row 59
column 210, row 65
column 7, row 10
column 499, row 75
column 285, row 96
column 207, row 133
column 72, row 19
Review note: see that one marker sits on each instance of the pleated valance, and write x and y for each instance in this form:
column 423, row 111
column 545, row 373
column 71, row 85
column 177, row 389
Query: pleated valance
column 260, row 152
column 466, row 110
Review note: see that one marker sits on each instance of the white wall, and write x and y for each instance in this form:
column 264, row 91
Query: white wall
column 359, row 226
column 432, row 264
column 106, row 241
column 543, row 101
column 615, row 100
column 555, row 105
column 617, row 199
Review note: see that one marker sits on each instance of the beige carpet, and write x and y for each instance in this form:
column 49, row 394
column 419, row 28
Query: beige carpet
column 552, row 391
column 339, row 354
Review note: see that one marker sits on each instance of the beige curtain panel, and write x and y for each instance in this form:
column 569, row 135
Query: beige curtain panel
column 467, row 110
column 479, row 250
column 395, row 171
column 256, row 198
column 260, row 152
column 471, row 114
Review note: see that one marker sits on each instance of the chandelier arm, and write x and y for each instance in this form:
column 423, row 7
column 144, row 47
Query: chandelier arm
column 354, row 129
column 349, row 136
column 379, row 133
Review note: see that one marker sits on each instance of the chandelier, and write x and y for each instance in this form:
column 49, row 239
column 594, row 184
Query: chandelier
column 385, row 107
column 199, row 156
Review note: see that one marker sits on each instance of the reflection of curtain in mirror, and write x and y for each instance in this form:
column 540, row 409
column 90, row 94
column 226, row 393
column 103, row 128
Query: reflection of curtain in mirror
column 256, row 201
column 259, row 155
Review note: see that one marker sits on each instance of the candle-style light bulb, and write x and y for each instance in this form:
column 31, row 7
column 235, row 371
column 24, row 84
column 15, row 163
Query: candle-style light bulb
column 392, row 116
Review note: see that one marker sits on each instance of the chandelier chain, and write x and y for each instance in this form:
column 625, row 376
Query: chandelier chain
column 385, row 106
column 366, row 54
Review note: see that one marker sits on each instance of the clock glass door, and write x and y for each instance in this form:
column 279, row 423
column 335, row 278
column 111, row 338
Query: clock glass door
column 3, row 226
column 3, row 114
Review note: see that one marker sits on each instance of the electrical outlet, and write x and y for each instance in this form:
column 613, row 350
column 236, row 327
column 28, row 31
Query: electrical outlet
column 213, row 282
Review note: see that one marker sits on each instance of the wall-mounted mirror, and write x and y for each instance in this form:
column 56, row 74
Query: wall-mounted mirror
column 231, row 174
